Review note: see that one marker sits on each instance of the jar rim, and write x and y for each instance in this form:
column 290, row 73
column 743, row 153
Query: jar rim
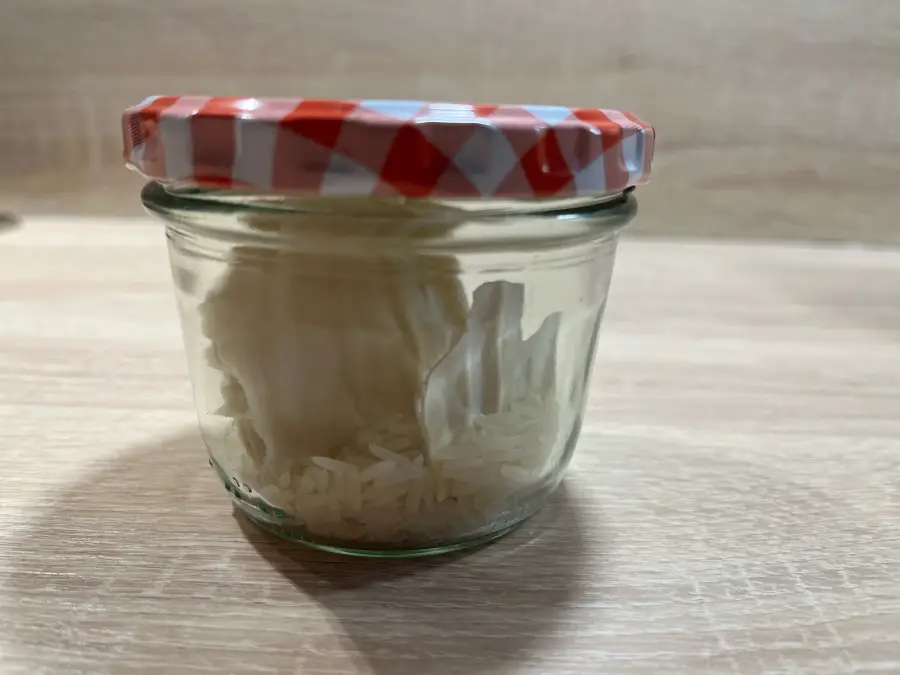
column 225, row 215
column 157, row 196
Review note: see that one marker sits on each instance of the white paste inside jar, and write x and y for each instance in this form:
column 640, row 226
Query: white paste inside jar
column 372, row 402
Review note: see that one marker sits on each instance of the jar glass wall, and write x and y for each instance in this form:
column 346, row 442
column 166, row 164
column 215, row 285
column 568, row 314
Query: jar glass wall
column 389, row 376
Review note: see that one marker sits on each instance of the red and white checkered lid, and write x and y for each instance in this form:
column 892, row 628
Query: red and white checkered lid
column 387, row 147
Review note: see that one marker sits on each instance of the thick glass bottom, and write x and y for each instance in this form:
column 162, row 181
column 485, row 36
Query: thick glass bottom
column 299, row 536
column 280, row 524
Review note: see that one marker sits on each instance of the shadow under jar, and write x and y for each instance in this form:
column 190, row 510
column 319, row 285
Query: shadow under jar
column 390, row 308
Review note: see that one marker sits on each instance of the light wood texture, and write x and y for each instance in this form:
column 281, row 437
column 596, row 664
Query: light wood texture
column 733, row 507
column 775, row 119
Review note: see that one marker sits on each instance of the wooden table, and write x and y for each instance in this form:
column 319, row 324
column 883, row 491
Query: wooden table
column 734, row 505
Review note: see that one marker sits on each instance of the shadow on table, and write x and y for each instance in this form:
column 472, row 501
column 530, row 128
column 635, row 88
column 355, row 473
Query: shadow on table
column 8, row 221
column 140, row 563
column 480, row 611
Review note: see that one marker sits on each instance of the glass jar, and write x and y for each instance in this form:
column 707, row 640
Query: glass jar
column 393, row 365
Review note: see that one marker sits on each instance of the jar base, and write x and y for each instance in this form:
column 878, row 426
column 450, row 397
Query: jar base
column 277, row 522
column 411, row 552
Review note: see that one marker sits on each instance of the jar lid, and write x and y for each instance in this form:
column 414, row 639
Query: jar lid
column 387, row 148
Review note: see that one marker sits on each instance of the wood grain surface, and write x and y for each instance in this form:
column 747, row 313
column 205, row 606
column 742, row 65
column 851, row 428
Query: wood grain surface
column 775, row 119
column 733, row 506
